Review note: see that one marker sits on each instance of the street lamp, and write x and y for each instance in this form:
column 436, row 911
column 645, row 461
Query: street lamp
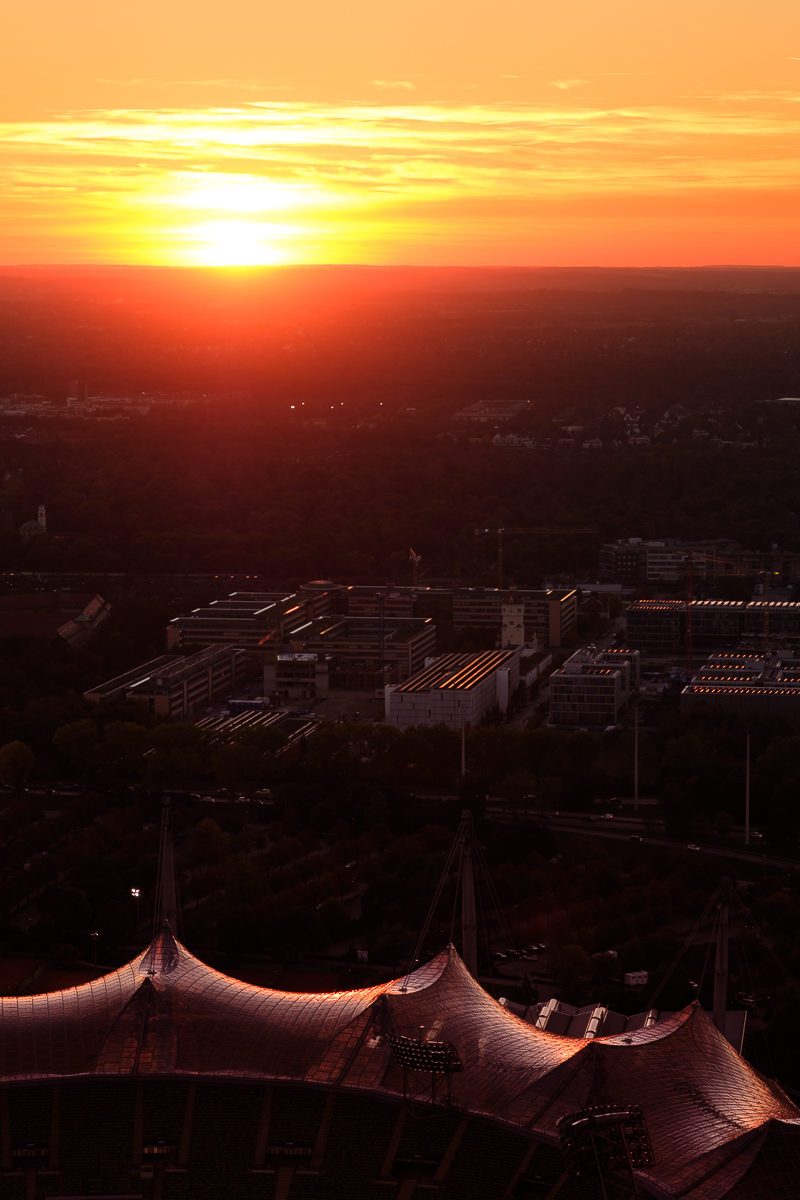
column 136, row 894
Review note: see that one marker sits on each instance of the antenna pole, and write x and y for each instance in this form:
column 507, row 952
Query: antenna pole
column 747, row 795
column 469, row 924
column 636, row 757
column 721, row 959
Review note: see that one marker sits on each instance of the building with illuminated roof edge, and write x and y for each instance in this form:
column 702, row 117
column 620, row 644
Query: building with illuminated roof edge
column 166, row 1079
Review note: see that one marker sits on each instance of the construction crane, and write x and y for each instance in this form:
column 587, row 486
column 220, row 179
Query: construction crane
column 415, row 559
column 537, row 530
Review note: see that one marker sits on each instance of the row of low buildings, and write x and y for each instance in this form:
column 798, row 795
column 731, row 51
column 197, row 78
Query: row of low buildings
column 665, row 626
column 746, row 684
column 591, row 690
column 548, row 616
column 178, row 686
column 303, row 657
column 327, row 637
column 635, row 561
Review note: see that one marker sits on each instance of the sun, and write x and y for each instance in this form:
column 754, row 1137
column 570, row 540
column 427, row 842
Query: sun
column 232, row 220
column 238, row 243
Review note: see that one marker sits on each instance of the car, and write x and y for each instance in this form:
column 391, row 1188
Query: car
column 635, row 837
column 607, row 817
column 692, row 846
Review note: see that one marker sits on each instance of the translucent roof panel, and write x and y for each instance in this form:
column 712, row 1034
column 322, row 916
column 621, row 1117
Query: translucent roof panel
column 713, row 1123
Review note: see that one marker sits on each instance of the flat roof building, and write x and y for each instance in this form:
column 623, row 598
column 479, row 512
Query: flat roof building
column 367, row 652
column 593, row 688
column 657, row 626
column 551, row 614
column 176, row 686
column 746, row 684
column 296, row 676
column 456, row 690
column 660, row 626
column 245, row 619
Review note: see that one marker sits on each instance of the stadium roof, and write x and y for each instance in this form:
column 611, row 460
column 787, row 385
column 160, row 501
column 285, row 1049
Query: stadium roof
column 715, row 1127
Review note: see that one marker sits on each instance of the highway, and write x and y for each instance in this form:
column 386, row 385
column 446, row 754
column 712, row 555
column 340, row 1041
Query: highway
column 623, row 829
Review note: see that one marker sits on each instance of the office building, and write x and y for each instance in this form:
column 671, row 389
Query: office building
column 364, row 653
column 747, row 684
column 592, row 689
column 176, row 686
column 457, row 690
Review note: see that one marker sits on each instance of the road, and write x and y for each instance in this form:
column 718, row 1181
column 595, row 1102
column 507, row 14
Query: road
column 624, row 828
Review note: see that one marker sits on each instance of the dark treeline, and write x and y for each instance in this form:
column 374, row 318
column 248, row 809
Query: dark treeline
column 213, row 491
column 335, row 443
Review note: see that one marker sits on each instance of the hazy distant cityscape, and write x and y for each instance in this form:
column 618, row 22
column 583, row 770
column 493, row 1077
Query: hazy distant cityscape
column 316, row 631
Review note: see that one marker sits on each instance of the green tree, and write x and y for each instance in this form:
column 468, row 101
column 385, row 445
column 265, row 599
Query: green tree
column 207, row 843
column 572, row 968
column 77, row 745
column 335, row 919
column 179, row 754
column 16, row 763
column 123, row 747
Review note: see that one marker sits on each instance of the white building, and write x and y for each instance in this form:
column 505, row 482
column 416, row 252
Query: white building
column 455, row 690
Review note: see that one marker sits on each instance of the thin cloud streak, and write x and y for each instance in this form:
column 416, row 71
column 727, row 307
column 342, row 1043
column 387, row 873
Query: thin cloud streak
column 242, row 85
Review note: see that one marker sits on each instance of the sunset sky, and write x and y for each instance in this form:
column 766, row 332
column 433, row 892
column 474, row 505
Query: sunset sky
column 511, row 133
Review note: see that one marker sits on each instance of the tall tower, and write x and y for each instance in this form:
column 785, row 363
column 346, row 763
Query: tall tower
column 513, row 618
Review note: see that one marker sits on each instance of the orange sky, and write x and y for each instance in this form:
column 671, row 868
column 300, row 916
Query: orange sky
column 387, row 132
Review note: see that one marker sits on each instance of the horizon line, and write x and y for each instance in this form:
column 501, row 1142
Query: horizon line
column 274, row 267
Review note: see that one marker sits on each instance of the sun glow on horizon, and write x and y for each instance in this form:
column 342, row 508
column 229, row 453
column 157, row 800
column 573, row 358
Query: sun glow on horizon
column 552, row 136
column 238, row 243
column 545, row 183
